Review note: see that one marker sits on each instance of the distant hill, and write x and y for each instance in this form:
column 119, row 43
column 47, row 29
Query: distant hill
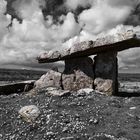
column 23, row 74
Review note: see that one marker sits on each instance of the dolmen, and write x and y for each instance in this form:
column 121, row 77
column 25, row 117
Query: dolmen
column 81, row 71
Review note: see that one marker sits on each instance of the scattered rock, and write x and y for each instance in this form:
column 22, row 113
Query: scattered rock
column 77, row 117
column 132, row 108
column 67, row 138
column 103, row 136
column 65, row 129
column 57, row 92
column 32, row 92
column 50, row 90
column 115, row 103
column 29, row 113
column 84, row 91
column 93, row 120
column 104, row 86
column 50, row 79
column 50, row 135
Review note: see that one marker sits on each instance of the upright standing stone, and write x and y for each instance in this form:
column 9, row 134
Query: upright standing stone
column 106, row 67
column 78, row 74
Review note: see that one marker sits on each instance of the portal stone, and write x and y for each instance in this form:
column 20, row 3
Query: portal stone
column 106, row 67
column 78, row 74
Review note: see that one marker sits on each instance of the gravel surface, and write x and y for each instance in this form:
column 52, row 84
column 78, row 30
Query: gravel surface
column 70, row 117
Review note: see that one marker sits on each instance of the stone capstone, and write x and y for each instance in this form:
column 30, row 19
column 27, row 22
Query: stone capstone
column 116, row 42
column 78, row 74
column 50, row 79
column 29, row 113
column 50, row 55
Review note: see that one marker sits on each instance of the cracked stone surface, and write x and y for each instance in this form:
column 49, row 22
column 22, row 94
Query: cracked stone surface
column 78, row 74
column 117, row 42
column 51, row 78
column 106, row 67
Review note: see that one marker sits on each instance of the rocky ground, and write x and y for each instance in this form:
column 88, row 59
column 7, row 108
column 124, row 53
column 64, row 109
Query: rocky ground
column 75, row 116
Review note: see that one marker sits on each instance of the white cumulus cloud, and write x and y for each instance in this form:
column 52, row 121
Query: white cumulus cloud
column 22, row 43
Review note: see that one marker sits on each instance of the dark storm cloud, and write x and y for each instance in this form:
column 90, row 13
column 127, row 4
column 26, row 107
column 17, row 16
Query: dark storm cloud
column 134, row 18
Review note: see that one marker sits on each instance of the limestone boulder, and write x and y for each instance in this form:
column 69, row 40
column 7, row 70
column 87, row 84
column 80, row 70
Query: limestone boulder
column 50, row 79
column 104, row 85
column 29, row 113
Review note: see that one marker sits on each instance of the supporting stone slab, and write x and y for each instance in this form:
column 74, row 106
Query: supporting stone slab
column 78, row 74
column 106, row 68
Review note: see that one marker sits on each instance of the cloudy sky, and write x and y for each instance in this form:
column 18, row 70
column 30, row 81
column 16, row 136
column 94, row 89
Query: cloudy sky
column 30, row 27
